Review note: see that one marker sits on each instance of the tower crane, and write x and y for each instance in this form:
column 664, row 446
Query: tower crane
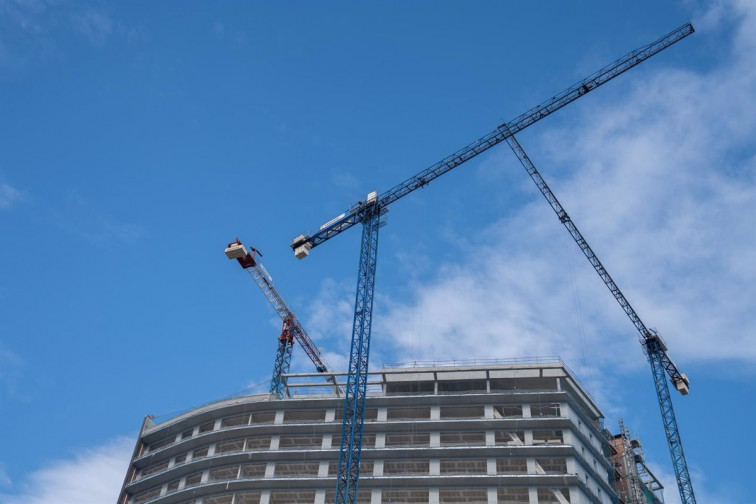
column 291, row 329
column 369, row 213
column 651, row 341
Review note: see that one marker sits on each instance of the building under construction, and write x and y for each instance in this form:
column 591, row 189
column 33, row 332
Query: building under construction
column 499, row 433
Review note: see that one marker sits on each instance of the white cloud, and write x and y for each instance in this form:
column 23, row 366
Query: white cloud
column 662, row 183
column 94, row 24
column 76, row 216
column 703, row 493
column 5, row 480
column 11, row 365
column 31, row 29
column 9, row 196
column 92, row 476
column 329, row 323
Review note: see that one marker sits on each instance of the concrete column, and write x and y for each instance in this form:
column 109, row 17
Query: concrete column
column 382, row 414
column 493, row 496
column 526, row 410
column 378, row 468
column 491, row 465
column 278, row 420
column 569, row 439
column 265, row 497
column 532, row 496
column 528, row 437
column 320, row 495
column 488, row 411
column 380, row 440
column 211, row 449
column 217, row 425
column 435, row 439
column 330, row 415
column 490, row 438
column 531, row 465
column 205, row 476
column 375, row 497
column 435, row 412
column 435, row 467
column 274, row 440
column 323, row 471
column 433, row 497
column 577, row 496
column 327, row 440
column 270, row 469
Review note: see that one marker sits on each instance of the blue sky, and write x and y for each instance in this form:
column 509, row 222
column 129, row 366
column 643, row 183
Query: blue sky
column 137, row 139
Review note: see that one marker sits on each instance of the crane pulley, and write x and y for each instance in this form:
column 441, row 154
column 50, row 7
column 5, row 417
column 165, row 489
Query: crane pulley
column 291, row 329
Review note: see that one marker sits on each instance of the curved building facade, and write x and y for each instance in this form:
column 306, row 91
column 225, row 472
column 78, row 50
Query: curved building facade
column 515, row 433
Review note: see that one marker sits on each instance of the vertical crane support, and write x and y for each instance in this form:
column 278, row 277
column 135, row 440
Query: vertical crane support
column 652, row 344
column 283, row 358
column 354, row 405
column 291, row 329
column 365, row 212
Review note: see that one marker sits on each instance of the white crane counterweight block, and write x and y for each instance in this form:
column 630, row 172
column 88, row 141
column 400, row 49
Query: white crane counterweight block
column 236, row 251
column 301, row 247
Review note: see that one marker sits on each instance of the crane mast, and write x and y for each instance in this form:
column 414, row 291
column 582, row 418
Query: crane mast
column 291, row 329
column 369, row 213
column 651, row 342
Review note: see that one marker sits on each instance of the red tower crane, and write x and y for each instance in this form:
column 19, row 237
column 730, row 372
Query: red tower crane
column 290, row 331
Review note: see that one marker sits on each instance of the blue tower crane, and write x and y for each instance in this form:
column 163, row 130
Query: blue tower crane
column 652, row 343
column 369, row 214
column 291, row 329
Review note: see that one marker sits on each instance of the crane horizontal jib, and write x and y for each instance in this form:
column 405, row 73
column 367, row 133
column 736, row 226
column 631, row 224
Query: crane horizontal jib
column 303, row 243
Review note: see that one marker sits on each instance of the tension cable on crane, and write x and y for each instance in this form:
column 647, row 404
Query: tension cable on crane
column 651, row 342
column 369, row 213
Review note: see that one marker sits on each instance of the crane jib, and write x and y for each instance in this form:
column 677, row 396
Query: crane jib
column 502, row 132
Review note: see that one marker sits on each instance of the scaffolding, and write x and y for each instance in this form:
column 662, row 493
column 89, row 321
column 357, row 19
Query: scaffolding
column 635, row 482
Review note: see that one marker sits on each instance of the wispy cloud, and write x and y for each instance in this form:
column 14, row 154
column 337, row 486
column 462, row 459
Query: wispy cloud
column 77, row 216
column 5, row 480
column 329, row 324
column 9, row 196
column 30, row 29
column 91, row 476
column 719, row 495
column 95, row 24
column 11, row 365
column 223, row 31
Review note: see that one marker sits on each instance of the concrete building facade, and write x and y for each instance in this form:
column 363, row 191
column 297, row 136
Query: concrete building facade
column 524, row 433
